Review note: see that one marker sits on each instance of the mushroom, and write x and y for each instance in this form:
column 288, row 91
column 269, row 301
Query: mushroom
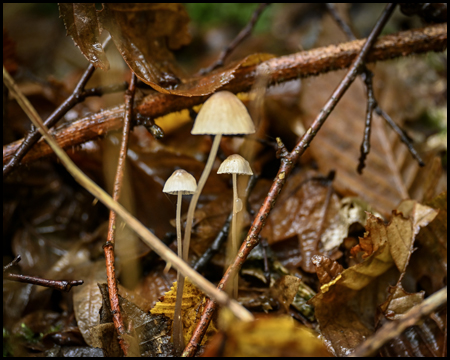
column 235, row 165
column 179, row 183
column 222, row 114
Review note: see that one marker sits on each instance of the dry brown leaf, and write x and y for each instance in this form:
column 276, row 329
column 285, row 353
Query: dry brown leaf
column 345, row 307
column 272, row 337
column 285, row 290
column 191, row 309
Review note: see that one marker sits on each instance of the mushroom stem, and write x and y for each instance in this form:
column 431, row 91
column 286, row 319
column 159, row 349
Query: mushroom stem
column 234, row 236
column 178, row 342
column 177, row 324
column 194, row 200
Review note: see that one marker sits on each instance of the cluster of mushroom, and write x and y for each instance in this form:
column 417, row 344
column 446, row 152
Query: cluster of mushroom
column 222, row 114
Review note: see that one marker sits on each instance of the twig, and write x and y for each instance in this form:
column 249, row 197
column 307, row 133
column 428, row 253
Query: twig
column 221, row 237
column 285, row 68
column 147, row 236
column 244, row 33
column 109, row 246
column 103, row 90
column 372, row 104
column 393, row 329
column 287, row 163
column 34, row 135
column 12, row 263
column 62, row 285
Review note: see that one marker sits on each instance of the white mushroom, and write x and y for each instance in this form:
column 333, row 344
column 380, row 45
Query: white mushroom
column 235, row 165
column 179, row 183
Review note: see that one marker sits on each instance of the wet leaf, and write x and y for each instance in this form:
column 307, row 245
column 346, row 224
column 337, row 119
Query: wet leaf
column 307, row 207
column 273, row 337
column 424, row 339
column 81, row 24
column 191, row 309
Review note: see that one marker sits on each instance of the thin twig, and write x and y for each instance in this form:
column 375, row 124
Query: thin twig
column 367, row 76
column 103, row 90
column 243, row 34
column 393, row 329
column 12, row 263
column 109, row 246
column 147, row 236
column 371, row 105
column 285, row 68
column 287, row 163
column 33, row 136
column 62, row 285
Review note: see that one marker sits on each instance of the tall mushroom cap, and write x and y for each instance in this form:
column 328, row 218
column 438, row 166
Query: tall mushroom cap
column 223, row 113
column 180, row 181
column 235, row 164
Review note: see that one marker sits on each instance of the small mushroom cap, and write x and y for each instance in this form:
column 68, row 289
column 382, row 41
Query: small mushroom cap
column 180, row 181
column 235, row 164
column 223, row 113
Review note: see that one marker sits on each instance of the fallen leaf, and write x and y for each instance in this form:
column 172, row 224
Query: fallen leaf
column 81, row 24
column 191, row 309
column 272, row 337
column 345, row 307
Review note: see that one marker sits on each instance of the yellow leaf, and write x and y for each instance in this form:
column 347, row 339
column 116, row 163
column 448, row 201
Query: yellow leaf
column 191, row 309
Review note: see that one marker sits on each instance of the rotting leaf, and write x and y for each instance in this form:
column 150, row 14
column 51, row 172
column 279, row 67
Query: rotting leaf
column 270, row 336
column 81, row 24
column 191, row 309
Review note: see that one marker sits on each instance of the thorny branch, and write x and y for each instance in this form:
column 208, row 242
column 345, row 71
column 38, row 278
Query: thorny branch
column 285, row 68
column 372, row 104
column 33, row 136
column 287, row 163
column 243, row 34
column 393, row 329
column 62, row 285
column 109, row 246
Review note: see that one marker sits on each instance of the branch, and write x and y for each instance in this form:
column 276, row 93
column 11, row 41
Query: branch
column 108, row 248
column 62, row 285
column 393, row 329
column 243, row 34
column 303, row 64
column 372, row 103
column 287, row 163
